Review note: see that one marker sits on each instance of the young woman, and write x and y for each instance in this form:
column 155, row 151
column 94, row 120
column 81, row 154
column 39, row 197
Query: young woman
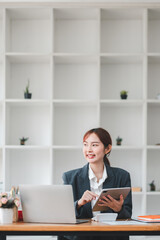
column 88, row 181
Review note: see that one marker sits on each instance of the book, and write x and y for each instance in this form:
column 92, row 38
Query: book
column 136, row 189
column 148, row 218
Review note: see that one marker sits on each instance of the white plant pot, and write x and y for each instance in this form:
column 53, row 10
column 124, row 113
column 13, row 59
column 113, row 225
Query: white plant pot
column 6, row 215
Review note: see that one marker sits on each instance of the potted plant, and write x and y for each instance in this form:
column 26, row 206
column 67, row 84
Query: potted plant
column 124, row 94
column 23, row 140
column 152, row 186
column 27, row 94
column 119, row 140
column 7, row 205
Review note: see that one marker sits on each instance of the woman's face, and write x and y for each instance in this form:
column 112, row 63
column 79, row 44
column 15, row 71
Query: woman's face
column 93, row 149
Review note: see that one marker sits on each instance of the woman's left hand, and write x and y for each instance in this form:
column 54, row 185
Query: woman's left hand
column 115, row 205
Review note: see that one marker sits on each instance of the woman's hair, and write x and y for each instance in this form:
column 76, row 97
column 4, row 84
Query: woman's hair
column 104, row 137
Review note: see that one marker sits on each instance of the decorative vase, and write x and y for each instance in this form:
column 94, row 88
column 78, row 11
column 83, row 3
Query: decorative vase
column 124, row 96
column 6, row 215
column 27, row 95
column 15, row 214
column 22, row 142
column 119, row 143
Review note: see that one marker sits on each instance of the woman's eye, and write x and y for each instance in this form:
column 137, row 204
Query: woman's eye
column 95, row 145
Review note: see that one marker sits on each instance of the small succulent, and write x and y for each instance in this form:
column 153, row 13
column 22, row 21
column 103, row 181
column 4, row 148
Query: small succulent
column 27, row 88
column 124, row 92
column 152, row 186
column 118, row 139
column 23, row 140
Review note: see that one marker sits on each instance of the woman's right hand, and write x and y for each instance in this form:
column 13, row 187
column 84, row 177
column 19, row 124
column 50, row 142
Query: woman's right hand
column 87, row 196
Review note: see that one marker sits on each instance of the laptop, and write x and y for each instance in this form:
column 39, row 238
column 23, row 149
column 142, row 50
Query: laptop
column 48, row 204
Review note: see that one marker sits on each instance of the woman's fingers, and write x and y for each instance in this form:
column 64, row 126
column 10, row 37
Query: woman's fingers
column 88, row 196
column 110, row 202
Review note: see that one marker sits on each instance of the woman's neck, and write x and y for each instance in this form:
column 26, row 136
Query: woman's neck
column 98, row 169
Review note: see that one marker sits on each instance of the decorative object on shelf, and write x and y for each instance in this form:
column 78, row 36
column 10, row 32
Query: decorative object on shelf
column 158, row 96
column 27, row 94
column 15, row 195
column 8, row 205
column 119, row 140
column 124, row 94
column 136, row 189
column 23, row 140
column 152, row 186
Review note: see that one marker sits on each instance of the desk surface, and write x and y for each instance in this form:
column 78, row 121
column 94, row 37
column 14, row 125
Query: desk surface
column 85, row 227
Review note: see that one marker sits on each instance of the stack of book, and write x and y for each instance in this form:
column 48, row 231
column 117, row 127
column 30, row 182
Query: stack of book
column 149, row 218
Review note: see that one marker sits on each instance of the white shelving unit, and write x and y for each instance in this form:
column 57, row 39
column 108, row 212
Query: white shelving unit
column 78, row 59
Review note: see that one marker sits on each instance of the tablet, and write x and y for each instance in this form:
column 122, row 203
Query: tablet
column 113, row 192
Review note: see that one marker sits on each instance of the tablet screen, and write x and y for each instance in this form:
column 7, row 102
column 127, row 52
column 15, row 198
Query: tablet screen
column 113, row 192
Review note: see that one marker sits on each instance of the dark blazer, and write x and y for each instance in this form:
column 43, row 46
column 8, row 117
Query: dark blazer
column 79, row 180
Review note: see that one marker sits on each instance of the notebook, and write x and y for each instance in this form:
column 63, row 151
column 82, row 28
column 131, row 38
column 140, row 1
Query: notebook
column 148, row 218
column 48, row 204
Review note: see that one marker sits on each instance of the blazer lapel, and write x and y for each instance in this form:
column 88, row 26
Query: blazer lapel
column 110, row 180
column 84, row 184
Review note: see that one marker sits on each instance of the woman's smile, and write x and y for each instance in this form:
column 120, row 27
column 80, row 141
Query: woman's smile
column 91, row 155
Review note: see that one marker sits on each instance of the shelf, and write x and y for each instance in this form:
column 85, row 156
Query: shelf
column 78, row 59
column 20, row 163
column 112, row 118
column 77, row 120
column 76, row 72
column 152, row 201
column 126, row 147
column 1, row 31
column 26, row 28
column 152, row 147
column 153, row 165
column 36, row 69
column 153, row 193
column 20, row 57
column 1, row 81
column 76, row 30
column 121, row 58
column 137, row 194
column 73, row 102
column 121, row 30
column 153, row 130
column 153, row 77
column 153, row 102
column 27, row 147
column 27, row 102
column 121, row 73
column 153, row 30
column 1, row 168
column 1, row 125
column 121, row 102
column 138, row 204
column 125, row 159
column 75, row 58
column 58, row 147
column 28, row 121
